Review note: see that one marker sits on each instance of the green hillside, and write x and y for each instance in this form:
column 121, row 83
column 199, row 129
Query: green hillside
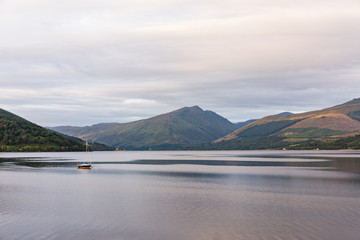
column 93, row 146
column 18, row 134
column 286, row 130
column 186, row 126
column 352, row 142
column 242, row 124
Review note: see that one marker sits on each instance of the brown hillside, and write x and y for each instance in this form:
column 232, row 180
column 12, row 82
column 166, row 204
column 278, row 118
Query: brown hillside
column 342, row 109
column 334, row 121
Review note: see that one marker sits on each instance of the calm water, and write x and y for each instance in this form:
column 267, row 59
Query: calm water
column 210, row 195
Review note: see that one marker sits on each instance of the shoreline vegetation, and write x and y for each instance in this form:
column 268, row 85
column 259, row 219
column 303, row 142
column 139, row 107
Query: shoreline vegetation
column 274, row 143
column 72, row 147
column 348, row 143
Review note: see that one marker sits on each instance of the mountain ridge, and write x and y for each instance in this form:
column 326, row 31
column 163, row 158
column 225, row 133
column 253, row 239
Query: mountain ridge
column 184, row 126
column 329, row 123
column 194, row 128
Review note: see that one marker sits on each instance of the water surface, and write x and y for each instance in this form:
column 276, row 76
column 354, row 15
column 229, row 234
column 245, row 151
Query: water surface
column 181, row 195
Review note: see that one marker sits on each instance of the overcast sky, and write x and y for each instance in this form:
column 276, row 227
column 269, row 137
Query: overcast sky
column 81, row 62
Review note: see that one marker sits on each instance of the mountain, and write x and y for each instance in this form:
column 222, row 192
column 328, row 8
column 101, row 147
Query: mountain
column 284, row 113
column 18, row 134
column 186, row 126
column 330, row 123
column 242, row 124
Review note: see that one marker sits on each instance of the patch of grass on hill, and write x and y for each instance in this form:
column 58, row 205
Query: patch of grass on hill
column 310, row 132
column 352, row 142
column 354, row 115
column 266, row 129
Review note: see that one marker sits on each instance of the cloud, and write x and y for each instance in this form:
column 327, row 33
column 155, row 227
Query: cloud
column 81, row 62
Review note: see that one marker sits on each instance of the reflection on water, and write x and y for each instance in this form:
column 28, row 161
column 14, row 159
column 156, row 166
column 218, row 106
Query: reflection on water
column 181, row 195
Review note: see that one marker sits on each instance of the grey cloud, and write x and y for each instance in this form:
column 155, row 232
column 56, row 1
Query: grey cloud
column 129, row 60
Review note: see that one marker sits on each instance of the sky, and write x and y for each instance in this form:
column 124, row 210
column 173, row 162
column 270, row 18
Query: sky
column 82, row 62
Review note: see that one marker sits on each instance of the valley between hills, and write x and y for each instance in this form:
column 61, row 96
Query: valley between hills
column 192, row 128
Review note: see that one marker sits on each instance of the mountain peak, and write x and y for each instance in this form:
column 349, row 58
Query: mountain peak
column 196, row 107
column 185, row 110
column 354, row 101
column 284, row 114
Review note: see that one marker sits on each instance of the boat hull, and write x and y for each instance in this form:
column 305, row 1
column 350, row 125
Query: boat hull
column 84, row 166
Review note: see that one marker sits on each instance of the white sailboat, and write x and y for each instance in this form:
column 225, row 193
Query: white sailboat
column 86, row 164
